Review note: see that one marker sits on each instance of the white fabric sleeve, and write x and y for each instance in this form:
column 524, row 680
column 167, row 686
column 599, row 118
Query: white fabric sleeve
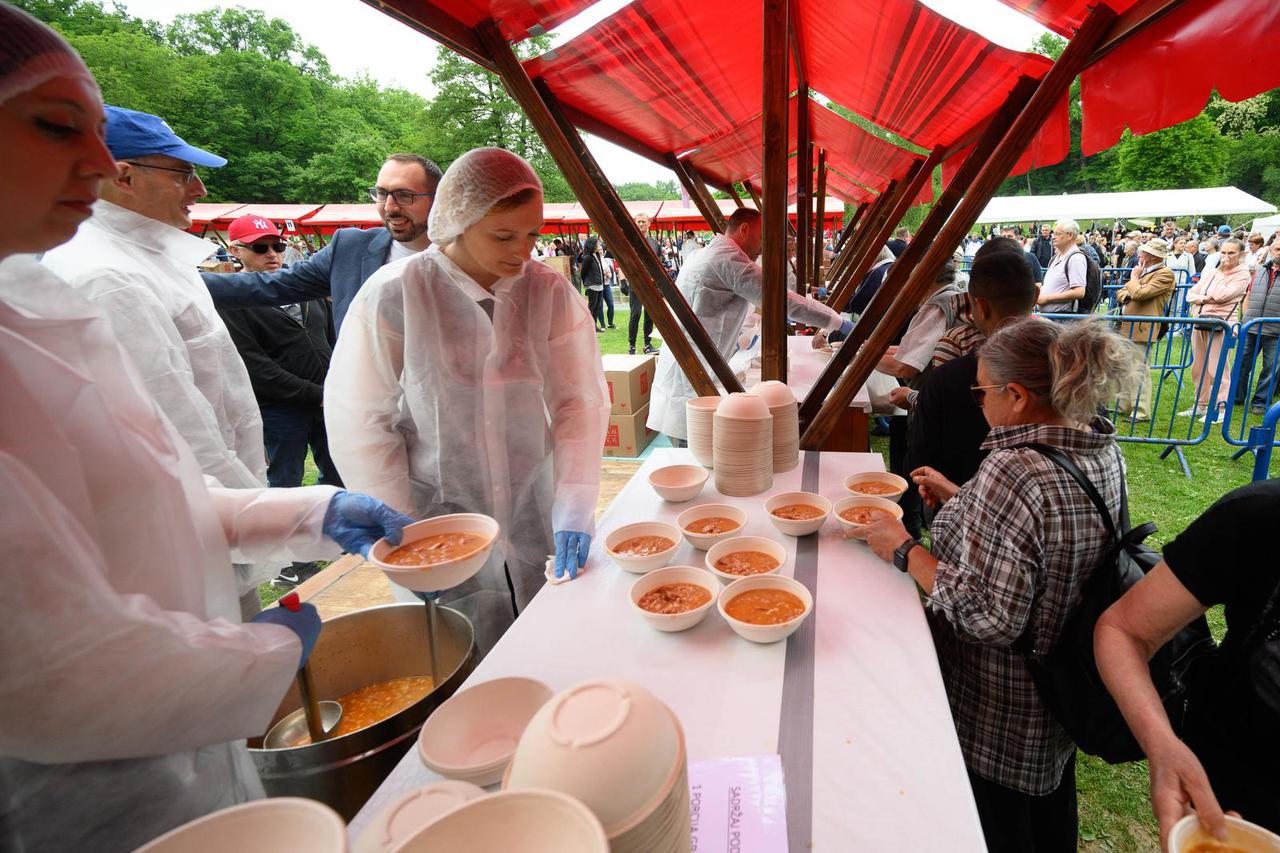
column 276, row 524
column 746, row 279
column 926, row 329
column 90, row 674
column 147, row 332
column 578, row 401
column 362, row 395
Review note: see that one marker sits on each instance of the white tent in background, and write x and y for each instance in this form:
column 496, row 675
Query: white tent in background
column 1150, row 204
column 1266, row 226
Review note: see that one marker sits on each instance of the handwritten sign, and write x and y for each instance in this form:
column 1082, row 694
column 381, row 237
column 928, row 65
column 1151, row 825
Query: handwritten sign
column 738, row 805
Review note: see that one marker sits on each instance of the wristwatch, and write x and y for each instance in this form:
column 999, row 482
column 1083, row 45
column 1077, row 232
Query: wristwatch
column 902, row 552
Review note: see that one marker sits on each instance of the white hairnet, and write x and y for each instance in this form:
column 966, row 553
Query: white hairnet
column 471, row 186
column 31, row 54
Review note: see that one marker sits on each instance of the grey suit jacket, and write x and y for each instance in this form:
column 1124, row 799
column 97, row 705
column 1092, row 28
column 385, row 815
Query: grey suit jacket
column 338, row 270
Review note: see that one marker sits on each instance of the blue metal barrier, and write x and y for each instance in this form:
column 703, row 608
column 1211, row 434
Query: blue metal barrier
column 1264, row 438
column 1255, row 369
column 1115, row 278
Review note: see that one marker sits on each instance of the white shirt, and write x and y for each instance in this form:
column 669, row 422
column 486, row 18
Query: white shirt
column 399, row 250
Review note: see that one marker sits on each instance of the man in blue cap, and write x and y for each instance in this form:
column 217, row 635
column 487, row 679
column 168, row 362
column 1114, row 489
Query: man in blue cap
column 134, row 259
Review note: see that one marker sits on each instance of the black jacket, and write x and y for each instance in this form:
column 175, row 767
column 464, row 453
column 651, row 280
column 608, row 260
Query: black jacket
column 287, row 360
column 1042, row 248
column 947, row 427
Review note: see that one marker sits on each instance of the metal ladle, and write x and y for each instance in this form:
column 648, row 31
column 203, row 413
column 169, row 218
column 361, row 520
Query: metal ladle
column 320, row 717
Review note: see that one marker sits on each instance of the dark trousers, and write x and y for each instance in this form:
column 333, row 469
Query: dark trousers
column 287, row 431
column 1014, row 822
column 633, row 325
column 912, row 505
column 1255, row 345
column 595, row 299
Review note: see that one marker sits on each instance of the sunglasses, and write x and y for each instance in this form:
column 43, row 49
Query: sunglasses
column 979, row 392
column 261, row 248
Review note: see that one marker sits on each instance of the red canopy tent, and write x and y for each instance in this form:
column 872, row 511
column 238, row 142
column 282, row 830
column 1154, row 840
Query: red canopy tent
column 331, row 217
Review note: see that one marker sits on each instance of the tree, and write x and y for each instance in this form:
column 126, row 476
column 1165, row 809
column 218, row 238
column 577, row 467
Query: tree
column 240, row 30
column 1186, row 155
column 636, row 191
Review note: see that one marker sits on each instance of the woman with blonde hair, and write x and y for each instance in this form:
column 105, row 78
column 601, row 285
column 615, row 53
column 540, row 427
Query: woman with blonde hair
column 1011, row 553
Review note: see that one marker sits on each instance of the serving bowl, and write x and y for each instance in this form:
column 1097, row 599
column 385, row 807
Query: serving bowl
column 649, row 562
column 774, row 393
column 276, row 825
column 1241, row 835
column 703, row 541
column 899, row 484
column 745, row 543
column 444, row 575
column 403, row 819
column 798, row 527
column 765, row 633
column 679, row 483
column 472, row 736
column 530, row 820
column 853, row 529
column 675, row 574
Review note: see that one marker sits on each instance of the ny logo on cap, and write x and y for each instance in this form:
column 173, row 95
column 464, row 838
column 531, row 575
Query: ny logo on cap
column 263, row 224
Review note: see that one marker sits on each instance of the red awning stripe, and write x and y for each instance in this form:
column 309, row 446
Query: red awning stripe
column 515, row 17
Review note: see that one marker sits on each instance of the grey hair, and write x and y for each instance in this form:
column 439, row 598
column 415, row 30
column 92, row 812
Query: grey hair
column 1239, row 243
column 1070, row 226
column 1075, row 367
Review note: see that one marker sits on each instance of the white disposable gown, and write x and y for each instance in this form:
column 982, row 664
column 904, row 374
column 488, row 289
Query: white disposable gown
column 143, row 274
column 126, row 684
column 435, row 408
column 721, row 284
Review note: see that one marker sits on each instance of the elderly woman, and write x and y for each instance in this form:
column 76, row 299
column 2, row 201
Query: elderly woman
column 1217, row 294
column 1011, row 553
column 468, row 379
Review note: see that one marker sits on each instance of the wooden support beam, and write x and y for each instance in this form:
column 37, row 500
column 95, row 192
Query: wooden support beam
column 428, row 19
column 874, row 214
column 755, row 195
column 733, row 194
column 992, row 171
column 804, row 192
column 820, row 202
column 851, row 225
column 643, row 268
column 697, row 190
column 777, row 90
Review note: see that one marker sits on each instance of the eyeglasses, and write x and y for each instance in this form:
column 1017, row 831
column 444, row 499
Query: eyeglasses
column 404, row 198
column 261, row 248
column 979, row 392
column 188, row 174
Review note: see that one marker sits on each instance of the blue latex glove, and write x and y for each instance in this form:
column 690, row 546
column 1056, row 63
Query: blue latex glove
column 822, row 293
column 571, row 552
column 302, row 620
column 845, row 328
column 356, row 521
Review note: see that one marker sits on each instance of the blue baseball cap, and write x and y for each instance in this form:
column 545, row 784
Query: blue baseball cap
column 1223, row 229
column 134, row 134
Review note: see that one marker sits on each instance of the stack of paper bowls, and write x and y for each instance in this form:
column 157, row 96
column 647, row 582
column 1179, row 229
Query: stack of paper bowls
column 615, row 747
column 743, row 445
column 699, row 416
column 786, row 422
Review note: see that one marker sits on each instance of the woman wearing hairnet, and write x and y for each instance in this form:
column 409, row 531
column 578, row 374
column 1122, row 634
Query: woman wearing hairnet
column 127, row 686
column 468, row 379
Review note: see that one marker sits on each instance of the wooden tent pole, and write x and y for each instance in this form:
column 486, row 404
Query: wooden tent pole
column 643, row 268
column 701, row 183
column 733, row 194
column 804, row 190
column 755, row 195
column 697, row 191
column 860, row 238
column 821, row 204
column 777, row 90
column 993, row 171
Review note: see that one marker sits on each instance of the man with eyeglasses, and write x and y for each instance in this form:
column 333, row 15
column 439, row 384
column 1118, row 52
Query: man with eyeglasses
column 133, row 258
column 405, row 187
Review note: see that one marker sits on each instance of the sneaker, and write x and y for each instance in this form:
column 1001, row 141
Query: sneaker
column 599, row 331
column 287, row 577
column 1257, row 408
column 631, row 350
column 650, row 349
column 1193, row 412
column 611, row 326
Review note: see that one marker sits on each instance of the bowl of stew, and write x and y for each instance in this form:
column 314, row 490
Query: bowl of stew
column 856, row 512
column 675, row 598
column 438, row 553
column 644, row 546
column 798, row 513
column 1188, row 836
column 876, row 484
column 707, row 524
column 765, row 608
column 743, row 556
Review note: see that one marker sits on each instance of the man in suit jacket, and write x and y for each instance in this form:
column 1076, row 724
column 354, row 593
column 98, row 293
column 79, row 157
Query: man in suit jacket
column 405, row 189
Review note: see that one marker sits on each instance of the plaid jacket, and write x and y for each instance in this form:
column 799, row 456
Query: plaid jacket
column 1015, row 546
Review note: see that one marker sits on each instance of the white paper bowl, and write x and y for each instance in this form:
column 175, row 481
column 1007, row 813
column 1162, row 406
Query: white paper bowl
column 765, row 633
column 442, row 575
column 675, row 574
column 402, row 820
column 640, row 565
column 745, row 543
column 530, row 821
column 1187, row 833
column 774, row 393
column 276, row 825
column 795, row 527
column 610, row 743
column 703, row 541
column 741, row 406
column 855, row 530
column 679, row 483
column 473, row 735
column 885, row 477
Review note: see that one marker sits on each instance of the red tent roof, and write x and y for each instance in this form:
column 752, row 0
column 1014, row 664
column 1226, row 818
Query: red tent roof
column 339, row 215
column 203, row 214
column 516, row 18
column 275, row 212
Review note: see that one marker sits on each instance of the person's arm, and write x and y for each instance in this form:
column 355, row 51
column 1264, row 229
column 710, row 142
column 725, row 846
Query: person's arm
column 362, row 395
column 746, row 279
column 1154, row 286
column 270, row 380
column 1075, row 274
column 264, row 525
column 916, row 347
column 298, row 283
column 1124, row 640
column 1227, row 289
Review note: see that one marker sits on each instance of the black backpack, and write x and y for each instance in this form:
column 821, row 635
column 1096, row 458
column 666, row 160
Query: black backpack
column 1092, row 286
column 1067, row 677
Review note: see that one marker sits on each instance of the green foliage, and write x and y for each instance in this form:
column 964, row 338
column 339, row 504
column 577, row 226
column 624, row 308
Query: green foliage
column 1185, row 155
column 636, row 191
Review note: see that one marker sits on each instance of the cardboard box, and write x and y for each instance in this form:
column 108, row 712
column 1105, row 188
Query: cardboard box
column 628, row 435
column 559, row 263
column 630, row 378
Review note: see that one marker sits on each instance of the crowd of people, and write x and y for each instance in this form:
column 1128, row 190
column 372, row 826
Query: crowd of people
column 156, row 419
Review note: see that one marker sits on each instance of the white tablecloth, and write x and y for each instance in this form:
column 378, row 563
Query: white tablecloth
column 885, row 769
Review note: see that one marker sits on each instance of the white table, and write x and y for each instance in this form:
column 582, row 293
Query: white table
column 853, row 701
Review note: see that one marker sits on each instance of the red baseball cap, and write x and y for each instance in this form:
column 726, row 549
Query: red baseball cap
column 248, row 228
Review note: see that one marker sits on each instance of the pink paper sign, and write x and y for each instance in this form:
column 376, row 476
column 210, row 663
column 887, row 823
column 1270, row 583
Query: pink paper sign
column 738, row 805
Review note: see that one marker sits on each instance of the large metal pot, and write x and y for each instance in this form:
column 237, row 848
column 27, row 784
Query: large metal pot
column 355, row 650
